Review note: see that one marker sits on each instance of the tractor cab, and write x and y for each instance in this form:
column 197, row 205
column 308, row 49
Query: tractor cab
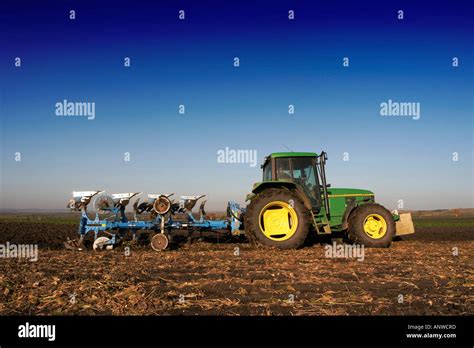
column 303, row 170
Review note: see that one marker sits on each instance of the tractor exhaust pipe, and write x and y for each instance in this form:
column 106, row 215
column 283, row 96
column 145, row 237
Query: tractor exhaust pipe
column 322, row 166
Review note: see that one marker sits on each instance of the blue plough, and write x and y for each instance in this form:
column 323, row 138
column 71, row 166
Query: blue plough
column 111, row 225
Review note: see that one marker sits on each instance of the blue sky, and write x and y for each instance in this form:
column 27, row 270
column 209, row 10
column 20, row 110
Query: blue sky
column 190, row 62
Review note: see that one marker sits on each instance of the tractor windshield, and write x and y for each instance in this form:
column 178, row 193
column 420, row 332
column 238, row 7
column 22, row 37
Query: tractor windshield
column 300, row 170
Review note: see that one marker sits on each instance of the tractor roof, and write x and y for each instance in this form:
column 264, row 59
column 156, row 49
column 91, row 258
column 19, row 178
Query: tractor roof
column 293, row 154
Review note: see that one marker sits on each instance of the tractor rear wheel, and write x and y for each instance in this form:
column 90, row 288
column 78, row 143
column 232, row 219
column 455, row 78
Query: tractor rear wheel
column 277, row 217
column 371, row 225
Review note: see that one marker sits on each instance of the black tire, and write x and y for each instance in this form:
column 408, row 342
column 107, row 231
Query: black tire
column 356, row 231
column 252, row 215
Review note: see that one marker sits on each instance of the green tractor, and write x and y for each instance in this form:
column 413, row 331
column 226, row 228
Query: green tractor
column 294, row 199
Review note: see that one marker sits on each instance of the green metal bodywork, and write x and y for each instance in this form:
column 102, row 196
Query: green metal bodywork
column 341, row 200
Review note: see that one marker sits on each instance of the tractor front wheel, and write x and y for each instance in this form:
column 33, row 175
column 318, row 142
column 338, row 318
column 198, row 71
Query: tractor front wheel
column 277, row 217
column 371, row 225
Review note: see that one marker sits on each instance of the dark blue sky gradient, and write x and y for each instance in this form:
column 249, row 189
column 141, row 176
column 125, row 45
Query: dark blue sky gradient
column 190, row 62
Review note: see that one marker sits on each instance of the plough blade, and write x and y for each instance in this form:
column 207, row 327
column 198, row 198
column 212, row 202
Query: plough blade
column 188, row 202
column 155, row 203
column 80, row 199
column 73, row 244
column 122, row 199
column 103, row 204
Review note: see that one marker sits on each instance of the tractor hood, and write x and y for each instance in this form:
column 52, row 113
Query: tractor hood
column 348, row 192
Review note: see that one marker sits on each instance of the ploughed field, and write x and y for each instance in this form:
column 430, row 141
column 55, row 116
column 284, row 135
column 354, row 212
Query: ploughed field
column 430, row 273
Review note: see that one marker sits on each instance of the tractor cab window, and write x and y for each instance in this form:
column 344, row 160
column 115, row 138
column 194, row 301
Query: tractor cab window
column 302, row 171
column 283, row 171
column 304, row 175
column 267, row 171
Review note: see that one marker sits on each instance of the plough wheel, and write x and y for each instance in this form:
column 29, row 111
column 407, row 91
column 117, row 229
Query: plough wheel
column 103, row 204
column 101, row 244
column 162, row 205
column 159, row 242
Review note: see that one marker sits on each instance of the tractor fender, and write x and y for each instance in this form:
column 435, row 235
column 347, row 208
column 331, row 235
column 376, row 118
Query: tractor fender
column 407, row 226
column 349, row 209
column 281, row 184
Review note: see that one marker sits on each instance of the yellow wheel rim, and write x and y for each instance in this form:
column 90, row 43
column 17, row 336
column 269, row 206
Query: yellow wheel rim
column 375, row 226
column 278, row 221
